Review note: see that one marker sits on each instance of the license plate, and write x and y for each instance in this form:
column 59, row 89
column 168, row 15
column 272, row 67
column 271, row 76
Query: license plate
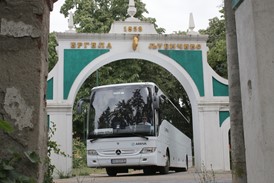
column 118, row 161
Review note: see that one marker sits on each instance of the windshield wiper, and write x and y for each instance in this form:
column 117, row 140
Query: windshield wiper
column 92, row 140
column 119, row 135
column 104, row 136
column 98, row 137
column 142, row 136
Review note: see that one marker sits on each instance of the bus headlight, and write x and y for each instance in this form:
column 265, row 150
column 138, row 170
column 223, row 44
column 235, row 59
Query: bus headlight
column 146, row 150
column 92, row 152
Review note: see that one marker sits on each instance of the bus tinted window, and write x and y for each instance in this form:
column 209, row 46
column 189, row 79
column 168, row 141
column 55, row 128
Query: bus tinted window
column 121, row 110
column 169, row 112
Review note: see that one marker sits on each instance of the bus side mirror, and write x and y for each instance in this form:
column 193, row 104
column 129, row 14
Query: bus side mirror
column 156, row 102
column 80, row 104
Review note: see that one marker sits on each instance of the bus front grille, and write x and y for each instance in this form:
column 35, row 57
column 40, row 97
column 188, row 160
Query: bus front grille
column 115, row 152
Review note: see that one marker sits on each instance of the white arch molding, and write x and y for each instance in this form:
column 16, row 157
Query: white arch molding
column 207, row 101
column 179, row 73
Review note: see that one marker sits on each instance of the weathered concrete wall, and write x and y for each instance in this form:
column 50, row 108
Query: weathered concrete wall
column 24, row 27
column 255, row 32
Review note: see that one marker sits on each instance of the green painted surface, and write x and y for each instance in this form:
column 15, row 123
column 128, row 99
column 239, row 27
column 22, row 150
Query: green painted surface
column 49, row 94
column 192, row 62
column 219, row 89
column 223, row 115
column 236, row 3
column 74, row 62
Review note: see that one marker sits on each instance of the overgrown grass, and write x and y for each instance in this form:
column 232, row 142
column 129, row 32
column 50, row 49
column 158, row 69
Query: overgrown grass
column 206, row 176
column 87, row 171
column 80, row 161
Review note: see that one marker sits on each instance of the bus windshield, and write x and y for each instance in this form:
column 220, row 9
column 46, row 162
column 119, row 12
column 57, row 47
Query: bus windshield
column 121, row 111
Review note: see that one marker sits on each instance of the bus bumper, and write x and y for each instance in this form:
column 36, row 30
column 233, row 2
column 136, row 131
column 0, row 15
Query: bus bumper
column 140, row 160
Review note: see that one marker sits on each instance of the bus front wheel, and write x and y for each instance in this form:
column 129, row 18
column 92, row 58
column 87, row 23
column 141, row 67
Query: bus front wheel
column 111, row 172
column 149, row 170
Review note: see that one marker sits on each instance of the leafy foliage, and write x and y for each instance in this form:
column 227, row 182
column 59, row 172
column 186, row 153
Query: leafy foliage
column 216, row 31
column 217, row 58
column 79, row 154
column 5, row 126
column 9, row 164
column 96, row 16
column 53, row 57
column 8, row 167
column 52, row 147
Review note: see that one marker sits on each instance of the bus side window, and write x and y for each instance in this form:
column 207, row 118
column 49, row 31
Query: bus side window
column 161, row 109
column 156, row 89
column 157, row 122
column 90, row 121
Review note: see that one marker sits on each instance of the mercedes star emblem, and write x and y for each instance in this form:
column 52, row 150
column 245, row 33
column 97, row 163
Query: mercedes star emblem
column 118, row 152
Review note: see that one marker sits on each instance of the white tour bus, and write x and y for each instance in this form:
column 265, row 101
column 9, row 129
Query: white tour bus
column 133, row 126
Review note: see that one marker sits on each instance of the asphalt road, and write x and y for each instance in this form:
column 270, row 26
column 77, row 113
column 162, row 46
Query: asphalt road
column 138, row 177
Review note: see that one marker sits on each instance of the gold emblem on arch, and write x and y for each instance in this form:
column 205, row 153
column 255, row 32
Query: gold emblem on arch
column 135, row 42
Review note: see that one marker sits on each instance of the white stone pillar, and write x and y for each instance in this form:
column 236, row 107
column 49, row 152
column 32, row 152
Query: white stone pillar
column 213, row 138
column 255, row 34
column 61, row 116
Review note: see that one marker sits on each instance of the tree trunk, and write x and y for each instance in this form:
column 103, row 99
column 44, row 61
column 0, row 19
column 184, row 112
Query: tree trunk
column 236, row 117
column 24, row 27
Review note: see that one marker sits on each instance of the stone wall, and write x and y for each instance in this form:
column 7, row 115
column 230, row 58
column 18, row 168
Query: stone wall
column 24, row 27
column 255, row 32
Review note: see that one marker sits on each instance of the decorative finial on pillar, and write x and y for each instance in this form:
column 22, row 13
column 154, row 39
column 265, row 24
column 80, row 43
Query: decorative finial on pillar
column 191, row 26
column 70, row 23
column 191, row 22
column 131, row 11
column 131, row 8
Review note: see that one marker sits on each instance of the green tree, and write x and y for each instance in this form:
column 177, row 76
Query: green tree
column 183, row 33
column 96, row 16
column 216, row 43
column 53, row 57
column 217, row 58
